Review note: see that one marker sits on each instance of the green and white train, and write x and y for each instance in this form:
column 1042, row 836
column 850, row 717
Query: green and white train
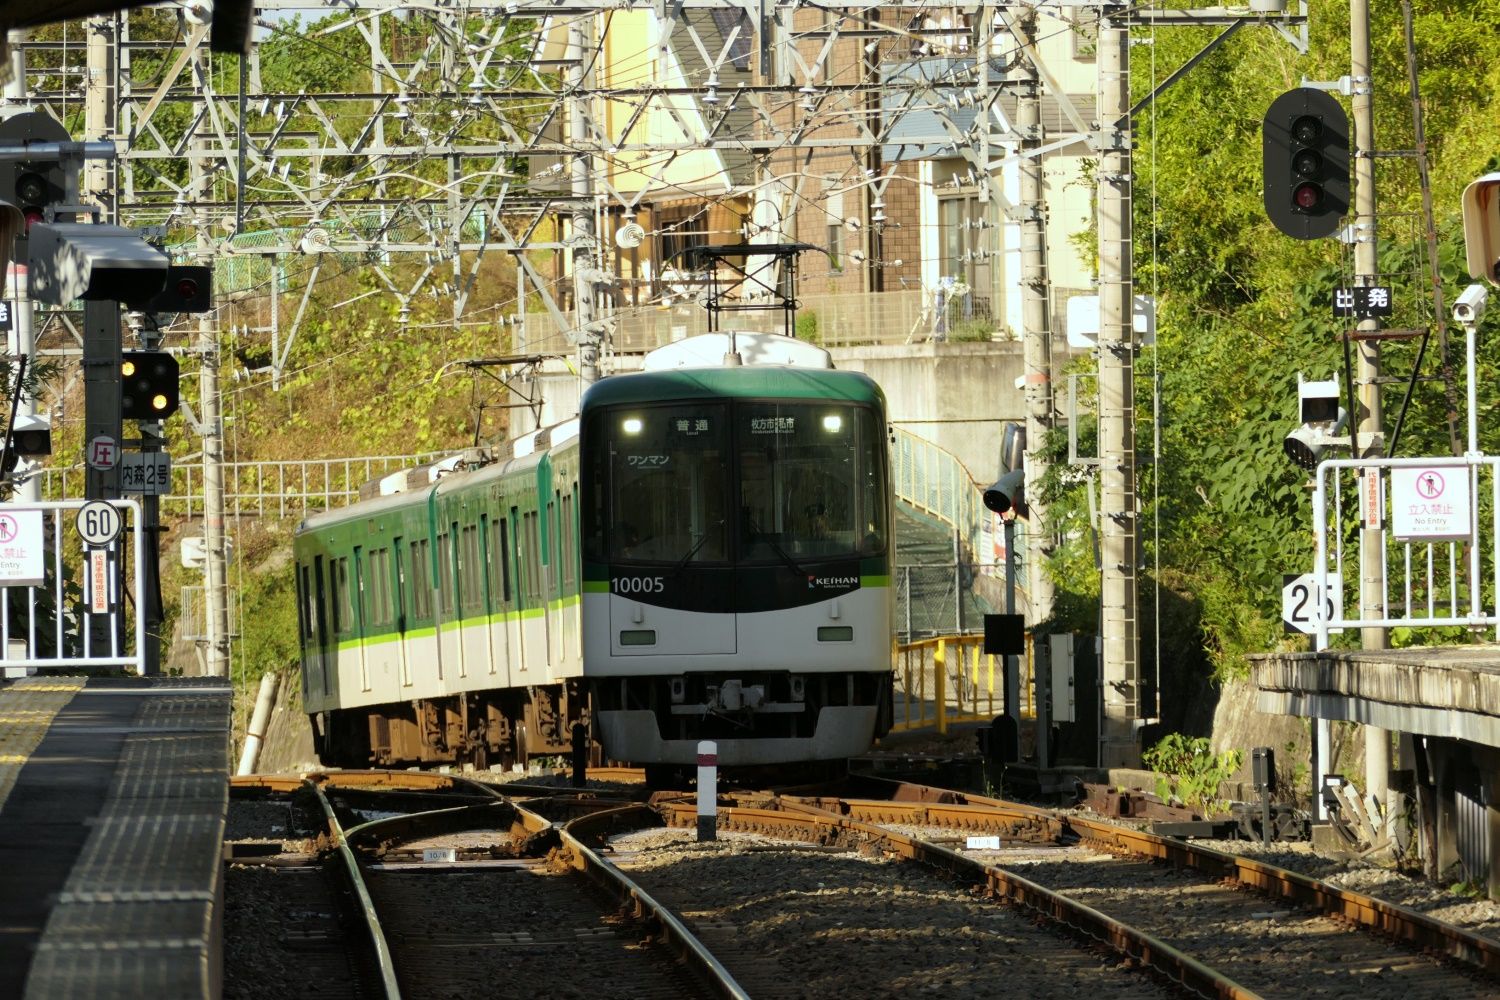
column 704, row 553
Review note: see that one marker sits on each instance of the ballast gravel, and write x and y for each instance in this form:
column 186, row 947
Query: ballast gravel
column 795, row 921
column 1479, row 916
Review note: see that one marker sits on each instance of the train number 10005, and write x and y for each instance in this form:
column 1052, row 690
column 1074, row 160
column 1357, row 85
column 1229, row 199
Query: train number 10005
column 638, row 584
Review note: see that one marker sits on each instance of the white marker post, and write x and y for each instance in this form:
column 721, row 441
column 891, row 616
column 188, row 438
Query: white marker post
column 708, row 790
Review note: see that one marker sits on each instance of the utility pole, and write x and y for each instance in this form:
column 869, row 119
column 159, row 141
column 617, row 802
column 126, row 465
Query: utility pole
column 23, row 321
column 215, row 562
column 1119, row 542
column 584, row 239
column 1370, row 433
column 1036, row 316
column 99, row 112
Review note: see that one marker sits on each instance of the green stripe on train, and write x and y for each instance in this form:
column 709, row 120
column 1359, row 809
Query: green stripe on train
column 376, row 638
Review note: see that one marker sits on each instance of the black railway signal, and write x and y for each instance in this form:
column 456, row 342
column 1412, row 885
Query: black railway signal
column 148, row 385
column 188, row 289
column 1305, row 142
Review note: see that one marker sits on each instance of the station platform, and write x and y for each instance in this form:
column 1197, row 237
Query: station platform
column 113, row 796
column 1442, row 691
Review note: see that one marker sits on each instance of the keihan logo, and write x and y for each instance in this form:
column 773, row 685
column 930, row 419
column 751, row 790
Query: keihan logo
column 814, row 582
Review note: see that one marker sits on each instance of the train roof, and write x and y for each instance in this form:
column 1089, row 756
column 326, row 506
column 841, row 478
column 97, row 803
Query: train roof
column 746, row 381
column 753, row 347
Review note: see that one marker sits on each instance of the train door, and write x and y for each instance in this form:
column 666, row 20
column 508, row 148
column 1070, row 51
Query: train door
column 572, row 595
column 320, row 615
column 556, row 634
column 448, row 597
column 307, row 618
column 487, row 586
column 505, row 596
column 403, row 655
column 536, row 585
column 514, row 553
column 361, row 605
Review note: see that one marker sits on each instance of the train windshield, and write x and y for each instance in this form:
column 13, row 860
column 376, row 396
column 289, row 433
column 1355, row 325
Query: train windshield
column 669, row 483
column 812, row 481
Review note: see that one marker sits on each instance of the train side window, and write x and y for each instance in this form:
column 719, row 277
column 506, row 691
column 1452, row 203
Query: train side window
column 569, row 541
column 421, row 579
column 399, row 585
column 306, row 608
column 554, row 511
column 513, row 556
column 471, row 594
column 445, row 575
column 489, row 592
column 342, row 598
column 360, row 595
column 531, row 547
column 500, row 544
column 380, row 587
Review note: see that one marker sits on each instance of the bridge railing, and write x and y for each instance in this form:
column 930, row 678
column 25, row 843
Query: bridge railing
column 938, row 597
column 1437, row 521
column 63, row 591
column 950, row 679
column 265, row 489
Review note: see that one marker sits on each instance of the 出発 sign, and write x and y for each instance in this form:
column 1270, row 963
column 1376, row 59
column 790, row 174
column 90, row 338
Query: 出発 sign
column 1431, row 503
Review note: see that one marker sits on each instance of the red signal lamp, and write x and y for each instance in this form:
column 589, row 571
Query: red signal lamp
column 1307, row 196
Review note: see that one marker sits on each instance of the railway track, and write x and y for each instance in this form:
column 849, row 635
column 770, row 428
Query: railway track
column 809, row 896
column 449, row 889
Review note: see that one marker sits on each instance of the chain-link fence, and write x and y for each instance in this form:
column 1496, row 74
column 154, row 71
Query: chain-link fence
column 951, row 553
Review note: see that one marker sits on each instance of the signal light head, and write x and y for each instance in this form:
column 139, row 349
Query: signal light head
column 31, row 189
column 1307, row 163
column 1307, row 196
column 149, row 385
column 1306, row 130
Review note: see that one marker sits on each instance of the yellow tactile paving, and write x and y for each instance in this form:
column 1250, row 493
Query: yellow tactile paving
column 27, row 708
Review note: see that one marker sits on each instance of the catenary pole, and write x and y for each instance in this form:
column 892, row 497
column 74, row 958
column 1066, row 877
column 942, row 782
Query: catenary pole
column 1036, row 320
column 580, row 56
column 1120, row 665
column 1369, row 441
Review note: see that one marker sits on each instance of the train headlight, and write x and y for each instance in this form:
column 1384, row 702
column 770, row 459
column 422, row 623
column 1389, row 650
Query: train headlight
column 632, row 425
column 678, row 689
column 833, row 423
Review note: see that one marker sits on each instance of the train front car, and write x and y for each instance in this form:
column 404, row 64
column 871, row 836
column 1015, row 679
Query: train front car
column 736, row 542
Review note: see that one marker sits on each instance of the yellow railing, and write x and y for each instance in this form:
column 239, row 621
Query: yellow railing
column 951, row 679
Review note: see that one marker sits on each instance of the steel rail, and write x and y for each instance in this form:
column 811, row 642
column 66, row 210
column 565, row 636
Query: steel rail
column 674, row 932
column 797, row 819
column 390, row 989
column 1014, row 824
column 1398, row 922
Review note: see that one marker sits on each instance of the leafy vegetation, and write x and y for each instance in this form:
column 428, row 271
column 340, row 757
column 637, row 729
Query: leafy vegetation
column 1242, row 309
column 1188, row 771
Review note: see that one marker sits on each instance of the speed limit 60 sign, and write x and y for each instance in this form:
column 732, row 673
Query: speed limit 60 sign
column 1300, row 597
column 98, row 522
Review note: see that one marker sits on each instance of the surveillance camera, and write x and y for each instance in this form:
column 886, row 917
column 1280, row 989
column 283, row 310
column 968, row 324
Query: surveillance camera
column 1469, row 308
